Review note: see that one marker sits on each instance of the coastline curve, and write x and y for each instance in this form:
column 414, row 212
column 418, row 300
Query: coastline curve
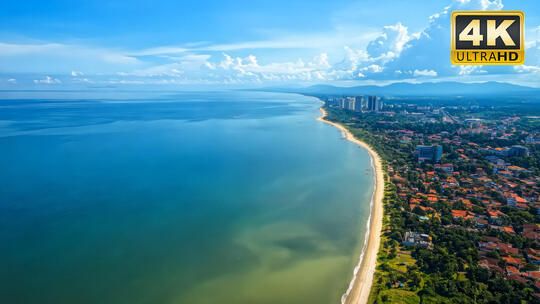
column 362, row 280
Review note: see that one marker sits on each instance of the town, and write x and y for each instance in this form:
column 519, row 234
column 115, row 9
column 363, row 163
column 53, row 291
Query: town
column 461, row 200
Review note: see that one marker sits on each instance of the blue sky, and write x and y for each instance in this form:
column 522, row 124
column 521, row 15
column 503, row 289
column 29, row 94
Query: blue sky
column 79, row 44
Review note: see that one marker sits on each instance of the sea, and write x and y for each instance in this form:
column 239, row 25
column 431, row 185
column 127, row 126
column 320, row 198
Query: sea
column 177, row 197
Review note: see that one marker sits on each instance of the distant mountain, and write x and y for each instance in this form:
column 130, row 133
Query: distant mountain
column 419, row 89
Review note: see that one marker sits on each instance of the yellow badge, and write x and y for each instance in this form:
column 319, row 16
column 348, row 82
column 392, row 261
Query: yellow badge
column 488, row 37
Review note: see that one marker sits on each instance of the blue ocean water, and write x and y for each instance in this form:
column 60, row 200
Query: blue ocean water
column 216, row 197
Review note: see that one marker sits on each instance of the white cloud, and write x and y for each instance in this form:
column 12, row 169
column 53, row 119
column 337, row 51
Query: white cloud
column 354, row 58
column 227, row 62
column 479, row 4
column 390, row 43
column 470, row 69
column 491, row 5
column 320, row 62
column 123, row 81
column 402, row 55
column 391, row 53
column 527, row 69
column 374, row 68
column 12, row 80
column 48, row 80
column 250, row 68
column 424, row 73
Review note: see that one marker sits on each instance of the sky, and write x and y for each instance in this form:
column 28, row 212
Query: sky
column 181, row 44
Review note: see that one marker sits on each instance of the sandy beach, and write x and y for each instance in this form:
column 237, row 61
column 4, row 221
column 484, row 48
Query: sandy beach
column 360, row 286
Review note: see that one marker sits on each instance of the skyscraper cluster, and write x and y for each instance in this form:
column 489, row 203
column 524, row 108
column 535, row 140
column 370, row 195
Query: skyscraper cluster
column 357, row 103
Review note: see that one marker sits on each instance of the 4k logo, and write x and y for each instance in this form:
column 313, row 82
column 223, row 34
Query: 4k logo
column 488, row 37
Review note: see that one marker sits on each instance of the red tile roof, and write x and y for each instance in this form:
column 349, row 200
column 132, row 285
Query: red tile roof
column 509, row 229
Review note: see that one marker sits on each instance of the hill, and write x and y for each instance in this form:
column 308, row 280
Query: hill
column 419, row 89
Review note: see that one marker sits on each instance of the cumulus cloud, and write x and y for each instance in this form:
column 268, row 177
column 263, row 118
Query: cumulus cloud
column 47, row 80
column 373, row 68
column 491, row 5
column 420, row 73
column 527, row 69
column 482, row 4
column 227, row 62
column 398, row 54
column 390, row 43
column 470, row 69
column 426, row 54
column 320, row 62
column 249, row 67
column 394, row 53
column 349, row 66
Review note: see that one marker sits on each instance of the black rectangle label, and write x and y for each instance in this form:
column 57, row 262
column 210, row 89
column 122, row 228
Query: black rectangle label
column 514, row 32
column 487, row 37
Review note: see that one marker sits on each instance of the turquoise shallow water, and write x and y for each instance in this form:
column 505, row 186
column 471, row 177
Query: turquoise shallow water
column 221, row 197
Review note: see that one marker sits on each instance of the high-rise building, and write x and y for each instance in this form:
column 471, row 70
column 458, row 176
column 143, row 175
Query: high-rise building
column 373, row 103
column 429, row 153
column 359, row 105
column 351, row 103
column 342, row 103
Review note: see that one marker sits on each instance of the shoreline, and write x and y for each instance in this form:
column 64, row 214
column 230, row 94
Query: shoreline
column 360, row 285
